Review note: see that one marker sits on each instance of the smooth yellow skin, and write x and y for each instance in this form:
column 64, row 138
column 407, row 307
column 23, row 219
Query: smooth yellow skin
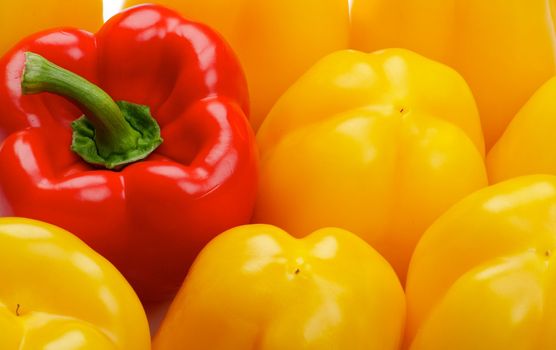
column 504, row 49
column 529, row 143
column 275, row 40
column 58, row 294
column 482, row 276
column 256, row 287
column 20, row 18
column 379, row 144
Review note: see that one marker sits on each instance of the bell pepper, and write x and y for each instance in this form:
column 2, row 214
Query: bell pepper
column 19, row 18
column 528, row 145
column 379, row 144
column 57, row 293
column 256, row 287
column 482, row 277
column 504, row 49
column 149, row 218
column 276, row 40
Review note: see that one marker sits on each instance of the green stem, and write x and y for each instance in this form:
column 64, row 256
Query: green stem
column 113, row 134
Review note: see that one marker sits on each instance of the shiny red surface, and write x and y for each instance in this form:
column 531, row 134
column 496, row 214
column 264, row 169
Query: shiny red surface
column 151, row 218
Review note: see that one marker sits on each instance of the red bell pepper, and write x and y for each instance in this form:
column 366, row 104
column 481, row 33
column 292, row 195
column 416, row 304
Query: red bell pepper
column 150, row 217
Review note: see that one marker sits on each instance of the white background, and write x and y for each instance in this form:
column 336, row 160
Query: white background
column 111, row 7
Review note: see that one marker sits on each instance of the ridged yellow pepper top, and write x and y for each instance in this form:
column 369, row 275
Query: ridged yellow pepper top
column 379, row 144
column 483, row 276
column 56, row 294
column 256, row 287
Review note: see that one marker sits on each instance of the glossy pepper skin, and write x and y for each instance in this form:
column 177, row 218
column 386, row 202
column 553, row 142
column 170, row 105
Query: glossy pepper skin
column 57, row 293
column 483, row 277
column 151, row 218
column 504, row 49
column 379, row 144
column 276, row 40
column 528, row 144
column 25, row 17
column 257, row 287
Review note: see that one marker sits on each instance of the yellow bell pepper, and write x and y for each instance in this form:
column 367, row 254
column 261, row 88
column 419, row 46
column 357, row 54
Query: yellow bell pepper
column 504, row 49
column 19, row 18
column 379, row 144
column 256, row 287
column 483, row 277
column 275, row 40
column 528, row 145
column 56, row 294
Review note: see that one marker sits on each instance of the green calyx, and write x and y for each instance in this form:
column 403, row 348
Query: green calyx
column 110, row 134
